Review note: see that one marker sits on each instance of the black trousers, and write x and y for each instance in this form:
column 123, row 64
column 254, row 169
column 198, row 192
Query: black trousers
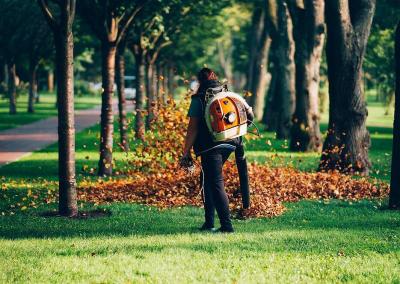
column 214, row 192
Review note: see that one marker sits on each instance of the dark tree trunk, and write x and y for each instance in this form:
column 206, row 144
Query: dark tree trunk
column 394, row 196
column 257, row 24
column 140, row 96
column 346, row 146
column 309, row 38
column 50, row 81
column 120, row 79
column 271, row 114
column 32, row 87
column 107, row 118
column 285, row 71
column 258, row 82
column 12, row 88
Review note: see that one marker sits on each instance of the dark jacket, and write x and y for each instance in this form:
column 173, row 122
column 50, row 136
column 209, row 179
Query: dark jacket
column 204, row 140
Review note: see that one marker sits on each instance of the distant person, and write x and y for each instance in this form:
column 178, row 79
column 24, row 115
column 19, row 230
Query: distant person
column 213, row 156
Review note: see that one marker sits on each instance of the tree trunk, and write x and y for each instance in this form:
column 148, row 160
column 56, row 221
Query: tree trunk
column 120, row 79
column 50, row 80
column 164, row 90
column 32, row 86
column 271, row 106
column 66, row 123
column 12, row 88
column 259, row 80
column 171, row 82
column 140, row 97
column 309, row 38
column 394, row 196
column 257, row 24
column 107, row 119
column 151, row 98
column 346, row 146
column 285, row 71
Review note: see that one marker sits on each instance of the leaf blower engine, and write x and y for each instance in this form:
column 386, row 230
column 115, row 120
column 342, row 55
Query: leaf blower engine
column 227, row 114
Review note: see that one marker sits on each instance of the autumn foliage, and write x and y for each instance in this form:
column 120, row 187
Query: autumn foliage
column 153, row 177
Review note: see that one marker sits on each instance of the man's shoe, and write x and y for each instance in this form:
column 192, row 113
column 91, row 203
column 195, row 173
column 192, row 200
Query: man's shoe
column 225, row 230
column 207, row 227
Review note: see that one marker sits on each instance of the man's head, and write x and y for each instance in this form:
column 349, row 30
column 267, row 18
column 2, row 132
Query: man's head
column 206, row 74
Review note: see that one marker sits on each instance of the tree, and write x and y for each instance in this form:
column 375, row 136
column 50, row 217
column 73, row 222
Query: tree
column 61, row 26
column 258, row 61
column 346, row 146
column 284, row 68
column 394, row 196
column 120, row 80
column 109, row 21
column 308, row 23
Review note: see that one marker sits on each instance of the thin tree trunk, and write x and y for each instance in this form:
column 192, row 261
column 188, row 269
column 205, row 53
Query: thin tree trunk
column 107, row 119
column 394, row 196
column 346, row 146
column 164, row 90
column 150, row 91
column 12, row 88
column 140, row 97
column 171, row 82
column 66, row 124
column 309, row 38
column 285, row 71
column 50, row 80
column 120, row 79
column 32, row 87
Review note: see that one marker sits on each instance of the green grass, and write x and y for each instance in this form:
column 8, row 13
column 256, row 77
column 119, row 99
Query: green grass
column 44, row 109
column 313, row 241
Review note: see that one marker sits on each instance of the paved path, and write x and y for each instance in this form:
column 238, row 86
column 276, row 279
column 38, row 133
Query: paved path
column 18, row 142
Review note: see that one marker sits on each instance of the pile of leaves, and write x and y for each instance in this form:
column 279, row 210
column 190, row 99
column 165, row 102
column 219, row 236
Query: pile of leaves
column 153, row 176
column 270, row 187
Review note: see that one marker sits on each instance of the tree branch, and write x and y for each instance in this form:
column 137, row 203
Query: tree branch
column 44, row 5
column 129, row 19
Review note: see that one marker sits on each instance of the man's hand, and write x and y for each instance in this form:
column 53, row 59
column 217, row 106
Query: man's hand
column 186, row 161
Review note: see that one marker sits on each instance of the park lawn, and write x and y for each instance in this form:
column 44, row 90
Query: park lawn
column 313, row 241
column 44, row 109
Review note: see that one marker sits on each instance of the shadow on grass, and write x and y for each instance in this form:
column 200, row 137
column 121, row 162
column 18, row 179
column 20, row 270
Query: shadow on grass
column 139, row 220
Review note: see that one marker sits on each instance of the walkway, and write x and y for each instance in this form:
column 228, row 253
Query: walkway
column 18, row 142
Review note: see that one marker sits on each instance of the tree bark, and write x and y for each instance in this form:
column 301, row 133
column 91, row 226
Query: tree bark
column 12, row 88
column 285, row 70
column 120, row 79
column 107, row 118
column 66, row 121
column 271, row 106
column 394, row 196
column 171, row 82
column 32, row 87
column 258, row 82
column 50, row 81
column 140, row 97
column 309, row 39
column 346, row 146
column 151, row 95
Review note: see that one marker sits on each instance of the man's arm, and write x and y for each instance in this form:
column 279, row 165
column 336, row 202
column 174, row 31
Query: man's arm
column 191, row 135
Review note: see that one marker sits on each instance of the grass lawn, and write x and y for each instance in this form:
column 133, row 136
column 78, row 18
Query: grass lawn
column 44, row 109
column 313, row 241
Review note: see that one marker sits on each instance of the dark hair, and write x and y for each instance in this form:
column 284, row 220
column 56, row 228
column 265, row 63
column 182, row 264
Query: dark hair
column 206, row 74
